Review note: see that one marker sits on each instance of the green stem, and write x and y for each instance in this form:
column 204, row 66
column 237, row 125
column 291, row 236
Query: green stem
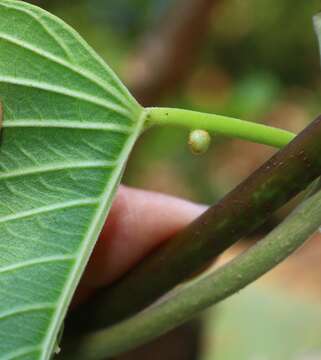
column 187, row 301
column 241, row 211
column 219, row 124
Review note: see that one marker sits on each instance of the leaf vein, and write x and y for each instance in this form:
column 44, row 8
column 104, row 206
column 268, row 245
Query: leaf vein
column 30, row 10
column 67, row 125
column 29, row 263
column 66, row 92
column 49, row 208
column 57, row 167
column 21, row 352
column 26, row 309
column 76, row 69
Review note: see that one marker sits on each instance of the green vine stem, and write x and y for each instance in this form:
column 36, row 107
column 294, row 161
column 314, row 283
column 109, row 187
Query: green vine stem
column 195, row 296
column 220, row 124
column 235, row 216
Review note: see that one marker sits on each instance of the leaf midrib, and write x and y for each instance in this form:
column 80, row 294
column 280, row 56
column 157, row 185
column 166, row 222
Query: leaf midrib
column 67, row 124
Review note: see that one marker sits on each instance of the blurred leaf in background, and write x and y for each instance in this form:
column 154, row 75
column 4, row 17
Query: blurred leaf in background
column 128, row 17
column 263, row 324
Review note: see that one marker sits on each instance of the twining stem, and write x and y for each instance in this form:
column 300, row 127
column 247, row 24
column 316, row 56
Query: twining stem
column 241, row 211
column 188, row 300
column 220, row 124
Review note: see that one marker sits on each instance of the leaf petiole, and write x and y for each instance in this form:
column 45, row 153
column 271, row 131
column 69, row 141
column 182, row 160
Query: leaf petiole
column 220, row 124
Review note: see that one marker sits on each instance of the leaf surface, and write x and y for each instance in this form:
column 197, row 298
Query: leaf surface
column 69, row 125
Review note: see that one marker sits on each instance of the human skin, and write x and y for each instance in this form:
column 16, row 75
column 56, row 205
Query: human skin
column 138, row 222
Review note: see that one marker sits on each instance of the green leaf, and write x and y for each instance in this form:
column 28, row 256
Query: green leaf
column 69, row 125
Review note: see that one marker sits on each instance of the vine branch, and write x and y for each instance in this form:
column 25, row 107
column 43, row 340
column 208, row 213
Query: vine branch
column 188, row 300
column 235, row 216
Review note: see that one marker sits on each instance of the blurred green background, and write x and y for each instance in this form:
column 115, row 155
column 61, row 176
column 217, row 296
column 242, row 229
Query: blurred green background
column 255, row 60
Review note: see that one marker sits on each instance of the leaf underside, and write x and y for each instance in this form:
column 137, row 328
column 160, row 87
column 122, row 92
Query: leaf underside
column 69, row 125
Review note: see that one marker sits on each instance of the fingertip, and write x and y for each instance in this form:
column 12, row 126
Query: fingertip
column 138, row 222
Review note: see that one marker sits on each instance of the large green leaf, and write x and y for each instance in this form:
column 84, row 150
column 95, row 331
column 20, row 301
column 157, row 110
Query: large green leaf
column 69, row 125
